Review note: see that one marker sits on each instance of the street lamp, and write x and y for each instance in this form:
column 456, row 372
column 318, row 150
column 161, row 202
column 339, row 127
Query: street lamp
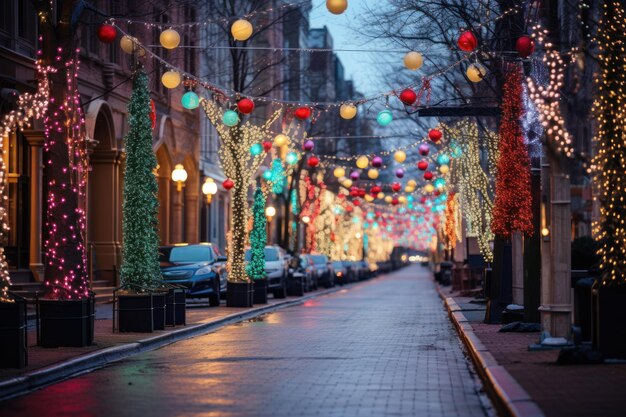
column 179, row 176
column 270, row 212
column 209, row 189
column 306, row 219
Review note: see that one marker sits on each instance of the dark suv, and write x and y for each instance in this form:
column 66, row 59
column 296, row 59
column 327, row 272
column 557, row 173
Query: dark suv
column 325, row 270
column 199, row 268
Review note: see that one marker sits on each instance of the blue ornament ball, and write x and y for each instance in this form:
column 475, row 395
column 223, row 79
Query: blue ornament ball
column 230, row 118
column 384, row 117
column 190, row 100
column 443, row 159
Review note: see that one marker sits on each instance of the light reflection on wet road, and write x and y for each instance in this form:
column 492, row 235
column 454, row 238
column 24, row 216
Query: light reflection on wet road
column 382, row 348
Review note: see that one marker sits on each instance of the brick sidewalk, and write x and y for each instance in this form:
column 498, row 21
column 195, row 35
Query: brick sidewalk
column 559, row 390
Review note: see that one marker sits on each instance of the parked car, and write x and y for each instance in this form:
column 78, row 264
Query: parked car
column 325, row 270
column 307, row 269
column 198, row 268
column 276, row 268
column 342, row 272
column 366, row 271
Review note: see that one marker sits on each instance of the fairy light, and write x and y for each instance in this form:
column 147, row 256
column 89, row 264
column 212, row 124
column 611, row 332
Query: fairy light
column 547, row 98
column 450, row 228
column 610, row 140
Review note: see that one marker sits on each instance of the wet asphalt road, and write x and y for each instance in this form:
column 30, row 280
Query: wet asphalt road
column 381, row 348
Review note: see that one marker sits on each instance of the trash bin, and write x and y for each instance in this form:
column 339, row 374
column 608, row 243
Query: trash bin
column 446, row 272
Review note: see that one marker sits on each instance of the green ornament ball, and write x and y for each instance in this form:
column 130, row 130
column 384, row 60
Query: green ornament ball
column 230, row 118
column 384, row 118
column 190, row 100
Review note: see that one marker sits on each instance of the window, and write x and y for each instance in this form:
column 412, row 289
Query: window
column 187, row 254
column 18, row 26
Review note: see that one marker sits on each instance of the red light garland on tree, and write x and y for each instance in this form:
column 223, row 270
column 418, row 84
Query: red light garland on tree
column 512, row 209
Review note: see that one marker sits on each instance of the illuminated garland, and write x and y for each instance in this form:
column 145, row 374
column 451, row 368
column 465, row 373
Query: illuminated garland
column 258, row 238
column 547, row 98
column 140, row 248
column 29, row 107
column 450, row 224
column 513, row 203
column 473, row 185
column 610, row 140
column 240, row 166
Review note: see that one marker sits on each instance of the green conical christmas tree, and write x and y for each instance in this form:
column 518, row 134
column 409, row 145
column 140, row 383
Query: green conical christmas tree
column 258, row 238
column 140, row 265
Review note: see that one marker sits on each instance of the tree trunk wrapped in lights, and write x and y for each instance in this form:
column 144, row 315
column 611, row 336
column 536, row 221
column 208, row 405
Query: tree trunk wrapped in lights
column 140, row 266
column 258, row 237
column 241, row 167
column 512, row 209
column 610, row 230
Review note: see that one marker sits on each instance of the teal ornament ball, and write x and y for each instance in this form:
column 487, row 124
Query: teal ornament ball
column 190, row 100
column 230, row 118
column 384, row 117
column 256, row 149
column 292, row 158
column 439, row 183
column 443, row 159
column 267, row 175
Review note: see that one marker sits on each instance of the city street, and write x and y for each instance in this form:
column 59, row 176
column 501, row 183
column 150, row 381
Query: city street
column 381, row 348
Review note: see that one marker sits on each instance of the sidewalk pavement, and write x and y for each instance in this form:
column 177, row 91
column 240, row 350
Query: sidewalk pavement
column 48, row 365
column 530, row 383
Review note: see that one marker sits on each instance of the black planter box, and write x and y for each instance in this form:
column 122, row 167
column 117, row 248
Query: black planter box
column 175, row 307
column 135, row 313
column 13, row 352
column 239, row 294
column 610, row 330
column 66, row 322
column 158, row 312
column 295, row 286
column 260, row 291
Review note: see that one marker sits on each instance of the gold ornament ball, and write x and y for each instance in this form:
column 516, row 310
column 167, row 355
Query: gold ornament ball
column 362, row 162
column 372, row 174
column 476, row 72
column 413, row 60
column 380, row 196
column 388, row 199
column 429, row 188
column 412, row 183
column 336, row 6
column 169, row 39
column 444, row 169
column 400, row 156
column 347, row 183
column 409, row 189
column 369, row 198
column 171, row 79
column 402, row 199
column 129, row 44
column 339, row 172
column 348, row 111
column 281, row 140
column 241, row 30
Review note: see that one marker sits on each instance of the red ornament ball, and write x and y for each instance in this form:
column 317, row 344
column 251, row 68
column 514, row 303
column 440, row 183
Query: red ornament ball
column 354, row 192
column 422, row 165
column 525, row 46
column 228, row 184
column 361, row 192
column 267, row 146
column 107, row 33
column 395, row 201
column 302, row 113
column 437, row 193
column 428, row 175
column 245, row 106
column 375, row 190
column 435, row 135
column 313, row 161
column 153, row 115
column 408, row 97
column 467, row 41
column 396, row 187
column 356, row 202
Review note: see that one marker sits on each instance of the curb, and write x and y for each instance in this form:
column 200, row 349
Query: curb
column 88, row 362
column 507, row 395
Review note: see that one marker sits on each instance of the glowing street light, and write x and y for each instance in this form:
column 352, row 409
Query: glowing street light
column 209, row 189
column 179, row 176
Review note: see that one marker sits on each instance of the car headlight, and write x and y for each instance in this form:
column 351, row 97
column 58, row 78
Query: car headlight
column 204, row 270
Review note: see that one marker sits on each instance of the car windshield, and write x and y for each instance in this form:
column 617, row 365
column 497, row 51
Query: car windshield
column 319, row 259
column 188, row 254
column 271, row 255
